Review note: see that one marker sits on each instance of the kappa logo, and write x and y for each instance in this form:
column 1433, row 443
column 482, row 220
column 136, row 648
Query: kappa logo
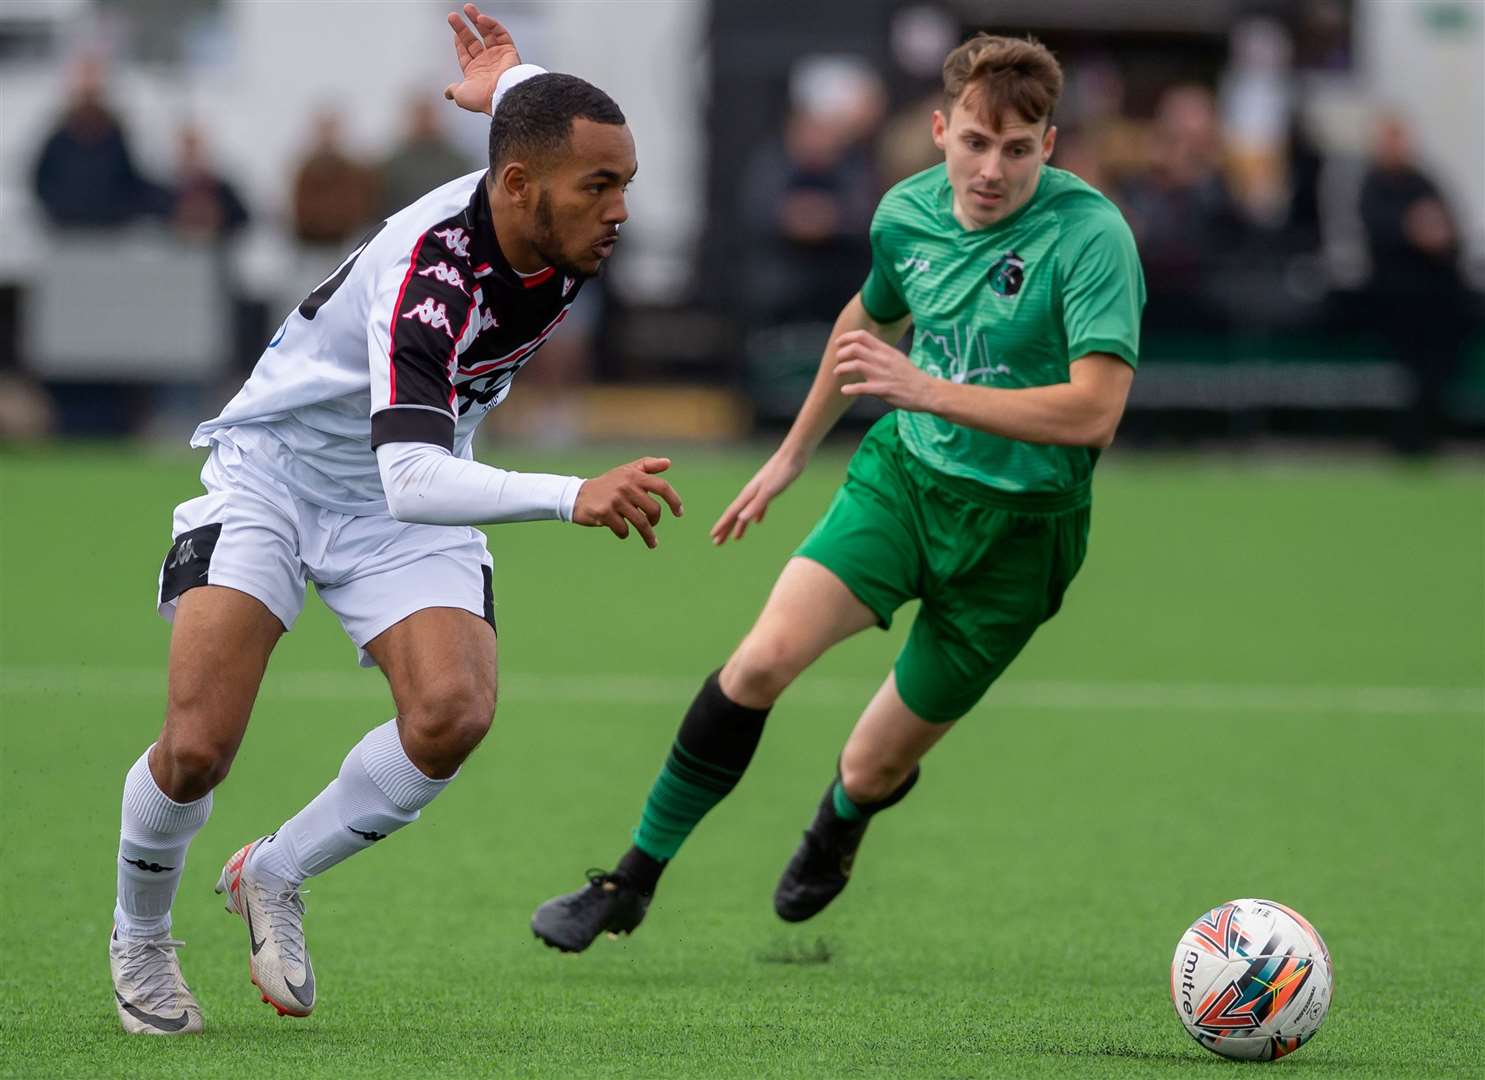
column 914, row 263
column 435, row 315
column 152, row 867
column 1007, row 274
column 567, row 284
column 447, row 274
column 185, row 552
column 457, row 241
column 488, row 321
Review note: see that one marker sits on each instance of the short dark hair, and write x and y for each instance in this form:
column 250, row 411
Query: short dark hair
column 534, row 119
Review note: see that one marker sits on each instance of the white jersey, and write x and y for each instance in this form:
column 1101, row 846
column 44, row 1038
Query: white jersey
column 414, row 338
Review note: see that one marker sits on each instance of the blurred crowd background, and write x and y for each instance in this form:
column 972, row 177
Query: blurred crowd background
column 1306, row 181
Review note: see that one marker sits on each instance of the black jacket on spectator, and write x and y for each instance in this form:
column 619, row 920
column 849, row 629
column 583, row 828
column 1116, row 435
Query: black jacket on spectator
column 85, row 177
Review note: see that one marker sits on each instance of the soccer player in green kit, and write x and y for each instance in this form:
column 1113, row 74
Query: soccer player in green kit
column 1024, row 292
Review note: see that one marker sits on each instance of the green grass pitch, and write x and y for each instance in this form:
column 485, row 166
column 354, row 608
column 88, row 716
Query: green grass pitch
column 1266, row 682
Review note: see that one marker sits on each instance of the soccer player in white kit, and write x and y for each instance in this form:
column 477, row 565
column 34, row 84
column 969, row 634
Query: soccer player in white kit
column 346, row 460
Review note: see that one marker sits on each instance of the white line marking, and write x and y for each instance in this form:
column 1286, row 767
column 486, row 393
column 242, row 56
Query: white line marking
column 675, row 691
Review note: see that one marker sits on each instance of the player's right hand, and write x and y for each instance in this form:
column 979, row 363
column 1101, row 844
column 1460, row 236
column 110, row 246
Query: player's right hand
column 626, row 496
column 751, row 504
column 483, row 58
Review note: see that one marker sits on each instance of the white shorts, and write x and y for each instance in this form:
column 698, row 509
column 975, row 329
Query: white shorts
column 250, row 533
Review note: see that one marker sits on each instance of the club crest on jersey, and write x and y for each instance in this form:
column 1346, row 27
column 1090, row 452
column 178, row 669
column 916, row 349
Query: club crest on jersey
column 435, row 315
column 457, row 241
column 1007, row 274
column 447, row 274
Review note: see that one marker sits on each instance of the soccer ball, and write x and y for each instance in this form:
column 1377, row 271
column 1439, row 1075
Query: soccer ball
column 1251, row 979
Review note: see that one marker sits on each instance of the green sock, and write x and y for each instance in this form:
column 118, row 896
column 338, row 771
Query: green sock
column 845, row 809
column 709, row 756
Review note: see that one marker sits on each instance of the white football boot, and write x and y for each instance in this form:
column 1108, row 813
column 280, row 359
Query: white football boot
column 274, row 913
column 148, row 990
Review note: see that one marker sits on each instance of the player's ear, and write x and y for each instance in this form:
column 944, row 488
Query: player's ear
column 940, row 126
column 1049, row 140
column 515, row 182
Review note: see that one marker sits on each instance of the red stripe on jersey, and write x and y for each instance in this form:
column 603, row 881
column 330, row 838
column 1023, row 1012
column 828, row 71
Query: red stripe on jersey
column 519, row 352
column 541, row 277
column 397, row 307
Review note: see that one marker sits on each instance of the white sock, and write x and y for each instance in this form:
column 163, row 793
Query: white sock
column 153, row 837
column 378, row 791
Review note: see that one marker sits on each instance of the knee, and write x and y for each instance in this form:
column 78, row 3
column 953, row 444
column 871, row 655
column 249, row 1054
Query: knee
column 188, row 765
column 871, row 777
column 761, row 669
column 447, row 724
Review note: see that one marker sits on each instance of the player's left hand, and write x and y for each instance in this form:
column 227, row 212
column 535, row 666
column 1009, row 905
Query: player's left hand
column 482, row 59
column 881, row 371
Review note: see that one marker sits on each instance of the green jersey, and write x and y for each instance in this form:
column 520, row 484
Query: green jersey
column 1008, row 305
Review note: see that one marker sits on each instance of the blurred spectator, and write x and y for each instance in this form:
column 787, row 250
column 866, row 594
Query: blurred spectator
column 920, row 37
column 1415, row 293
column 808, row 197
column 334, row 195
column 424, row 160
column 26, row 414
column 1182, row 213
column 205, row 206
column 1324, row 38
column 1302, row 230
column 1257, row 111
column 1095, row 139
column 906, row 143
column 85, row 176
column 1078, row 154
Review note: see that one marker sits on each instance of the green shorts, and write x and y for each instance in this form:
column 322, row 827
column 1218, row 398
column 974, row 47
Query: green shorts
column 990, row 567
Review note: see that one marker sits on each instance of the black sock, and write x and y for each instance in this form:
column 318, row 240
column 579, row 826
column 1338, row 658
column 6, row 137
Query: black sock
column 639, row 870
column 710, row 753
column 846, row 809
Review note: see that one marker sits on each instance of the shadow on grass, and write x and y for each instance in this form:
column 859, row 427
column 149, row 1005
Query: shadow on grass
column 1185, row 1059
column 801, row 953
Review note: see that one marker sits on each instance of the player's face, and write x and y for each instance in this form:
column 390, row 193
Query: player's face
column 580, row 200
column 993, row 168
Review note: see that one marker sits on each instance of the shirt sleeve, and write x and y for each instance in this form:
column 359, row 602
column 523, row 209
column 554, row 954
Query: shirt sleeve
column 420, row 322
column 881, row 295
column 510, row 79
column 1104, row 293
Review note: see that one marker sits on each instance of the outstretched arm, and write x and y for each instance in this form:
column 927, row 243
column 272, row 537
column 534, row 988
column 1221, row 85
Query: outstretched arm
column 821, row 410
column 488, row 61
column 427, row 484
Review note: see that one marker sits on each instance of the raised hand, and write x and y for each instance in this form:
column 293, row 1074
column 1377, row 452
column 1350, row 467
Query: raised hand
column 751, row 504
column 483, row 58
column 626, row 496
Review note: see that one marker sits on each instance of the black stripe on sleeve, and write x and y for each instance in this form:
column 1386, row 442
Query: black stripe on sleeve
column 412, row 425
column 431, row 313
